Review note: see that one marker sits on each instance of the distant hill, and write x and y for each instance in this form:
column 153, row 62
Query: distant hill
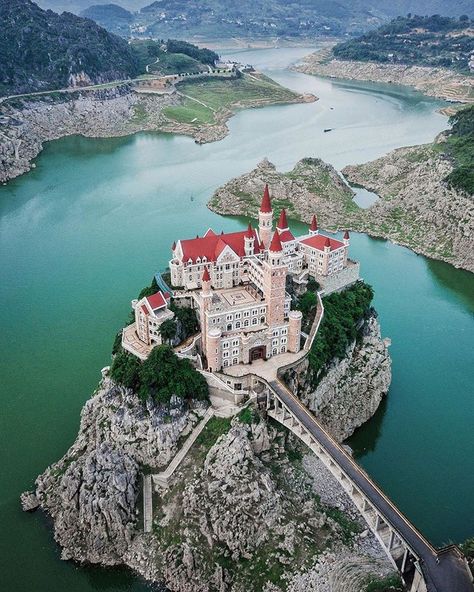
column 416, row 40
column 77, row 6
column 112, row 17
column 277, row 18
column 42, row 50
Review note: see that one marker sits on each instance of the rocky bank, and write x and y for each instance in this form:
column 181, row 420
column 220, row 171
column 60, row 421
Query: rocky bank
column 25, row 124
column 435, row 82
column 249, row 508
column 416, row 208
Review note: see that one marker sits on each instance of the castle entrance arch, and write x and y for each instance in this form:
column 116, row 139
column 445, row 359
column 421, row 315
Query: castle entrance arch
column 258, row 353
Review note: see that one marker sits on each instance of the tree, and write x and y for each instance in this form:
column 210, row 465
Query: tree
column 168, row 330
column 125, row 370
column 307, row 302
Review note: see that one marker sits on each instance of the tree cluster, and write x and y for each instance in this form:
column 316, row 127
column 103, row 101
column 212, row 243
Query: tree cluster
column 160, row 377
column 460, row 147
column 342, row 313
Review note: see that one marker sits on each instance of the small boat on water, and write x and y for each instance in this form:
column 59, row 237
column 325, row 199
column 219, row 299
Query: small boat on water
column 328, row 129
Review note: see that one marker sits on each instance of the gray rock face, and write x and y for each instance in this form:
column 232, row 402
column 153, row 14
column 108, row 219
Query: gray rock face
column 351, row 391
column 242, row 514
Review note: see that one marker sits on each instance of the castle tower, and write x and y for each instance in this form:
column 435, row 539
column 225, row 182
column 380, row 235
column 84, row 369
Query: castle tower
column 265, row 218
column 294, row 330
column 249, row 241
column 206, row 298
column 274, row 282
column 213, row 349
column 313, row 228
column 282, row 222
column 346, row 241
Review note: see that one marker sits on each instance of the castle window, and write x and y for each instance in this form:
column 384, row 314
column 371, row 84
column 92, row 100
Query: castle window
column 284, row 331
column 235, row 361
column 274, row 351
column 237, row 325
column 229, row 317
column 275, row 342
column 229, row 327
column 254, row 321
column 283, row 349
column 226, row 363
column 246, row 323
column 235, row 352
column 262, row 320
column 235, row 342
column 283, row 339
column 225, row 354
column 237, row 315
column 225, row 344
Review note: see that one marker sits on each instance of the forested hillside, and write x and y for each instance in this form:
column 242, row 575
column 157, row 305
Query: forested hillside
column 43, row 50
column 421, row 40
column 258, row 18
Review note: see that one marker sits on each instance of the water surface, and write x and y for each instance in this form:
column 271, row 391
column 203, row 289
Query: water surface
column 84, row 231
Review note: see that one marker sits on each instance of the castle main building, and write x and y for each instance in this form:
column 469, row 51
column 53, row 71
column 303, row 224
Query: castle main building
column 238, row 283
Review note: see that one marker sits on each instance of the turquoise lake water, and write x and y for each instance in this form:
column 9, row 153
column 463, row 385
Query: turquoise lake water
column 84, row 231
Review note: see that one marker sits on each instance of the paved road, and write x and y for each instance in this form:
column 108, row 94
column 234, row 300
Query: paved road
column 443, row 570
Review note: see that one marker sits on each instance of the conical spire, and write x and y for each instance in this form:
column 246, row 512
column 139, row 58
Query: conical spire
column 314, row 223
column 346, row 235
column 173, row 246
column 266, row 205
column 275, row 245
column 205, row 276
column 282, row 222
column 249, row 232
column 327, row 242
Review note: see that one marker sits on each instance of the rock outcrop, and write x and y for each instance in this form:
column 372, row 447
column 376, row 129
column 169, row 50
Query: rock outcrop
column 351, row 389
column 436, row 82
column 416, row 208
column 312, row 186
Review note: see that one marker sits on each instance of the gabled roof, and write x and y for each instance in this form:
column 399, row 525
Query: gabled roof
column 275, row 245
column 156, row 301
column 209, row 232
column 319, row 241
column 282, row 222
column 266, row 205
column 211, row 245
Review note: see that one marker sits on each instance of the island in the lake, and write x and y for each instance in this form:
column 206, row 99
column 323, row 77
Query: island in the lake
column 209, row 458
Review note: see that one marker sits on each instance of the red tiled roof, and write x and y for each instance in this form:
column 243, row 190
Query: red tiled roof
column 286, row 236
column 282, row 222
column 275, row 245
column 209, row 232
column 156, row 300
column 144, row 309
column 319, row 241
column 211, row 246
column 266, row 205
column 314, row 223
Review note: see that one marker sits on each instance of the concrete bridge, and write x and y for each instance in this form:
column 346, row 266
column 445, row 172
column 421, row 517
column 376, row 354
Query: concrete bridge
column 423, row 567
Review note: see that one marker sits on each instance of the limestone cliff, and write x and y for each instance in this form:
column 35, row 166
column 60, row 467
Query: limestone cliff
column 416, row 207
column 351, row 389
column 437, row 82
column 249, row 509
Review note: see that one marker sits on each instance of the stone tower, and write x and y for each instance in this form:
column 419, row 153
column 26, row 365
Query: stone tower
column 265, row 218
column 213, row 349
column 346, row 241
column 294, row 330
column 274, row 282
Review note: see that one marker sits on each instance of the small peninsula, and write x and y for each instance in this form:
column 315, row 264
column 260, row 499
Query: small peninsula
column 417, row 208
column 431, row 54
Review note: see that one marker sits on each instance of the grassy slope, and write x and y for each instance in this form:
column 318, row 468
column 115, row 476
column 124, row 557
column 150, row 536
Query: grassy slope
column 223, row 95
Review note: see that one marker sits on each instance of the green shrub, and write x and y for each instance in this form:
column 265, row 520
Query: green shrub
column 390, row 583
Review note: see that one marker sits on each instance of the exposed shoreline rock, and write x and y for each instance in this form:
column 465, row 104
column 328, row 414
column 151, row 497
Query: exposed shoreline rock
column 231, row 505
column 441, row 83
column 119, row 111
column 416, row 208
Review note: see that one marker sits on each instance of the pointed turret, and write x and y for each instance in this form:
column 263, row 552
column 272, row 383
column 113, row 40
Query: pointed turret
column 249, row 241
column 206, row 282
column 265, row 218
column 346, row 236
column 313, row 228
column 205, row 276
column 266, row 205
column 327, row 244
column 275, row 245
column 282, row 222
column 173, row 246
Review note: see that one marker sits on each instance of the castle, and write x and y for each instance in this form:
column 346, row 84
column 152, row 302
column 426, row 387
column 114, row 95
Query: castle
column 237, row 283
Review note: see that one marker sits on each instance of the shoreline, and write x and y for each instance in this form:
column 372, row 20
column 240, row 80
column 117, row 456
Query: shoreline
column 439, row 83
column 415, row 208
column 106, row 113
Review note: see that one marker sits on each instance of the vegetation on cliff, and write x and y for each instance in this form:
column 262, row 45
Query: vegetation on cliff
column 414, row 40
column 112, row 17
column 42, row 50
column 460, row 147
column 160, row 377
column 343, row 312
